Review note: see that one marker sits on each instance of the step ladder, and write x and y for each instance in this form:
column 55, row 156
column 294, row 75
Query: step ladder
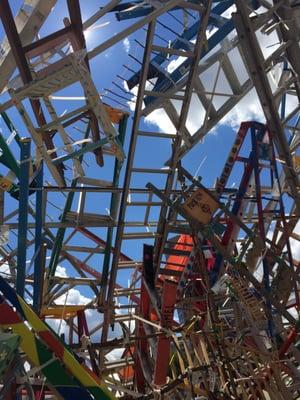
column 59, row 75
column 254, row 306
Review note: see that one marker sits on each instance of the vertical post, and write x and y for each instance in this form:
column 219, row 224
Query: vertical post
column 1, row 207
column 261, row 228
column 38, row 241
column 23, row 215
column 61, row 231
column 114, row 204
column 79, row 326
column 164, row 342
column 141, row 345
column 39, row 395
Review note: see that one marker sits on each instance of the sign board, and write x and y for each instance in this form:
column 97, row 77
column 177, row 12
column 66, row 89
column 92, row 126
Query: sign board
column 296, row 160
column 5, row 184
column 201, row 206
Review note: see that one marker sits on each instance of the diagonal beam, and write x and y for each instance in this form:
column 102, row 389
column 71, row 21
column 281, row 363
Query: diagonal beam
column 255, row 61
column 134, row 27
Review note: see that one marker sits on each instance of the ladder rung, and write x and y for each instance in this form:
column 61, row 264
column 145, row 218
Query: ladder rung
column 170, row 272
column 140, row 235
column 271, row 211
column 129, row 264
column 263, row 165
column 153, row 93
column 171, row 242
column 179, row 229
column 111, row 365
column 126, row 292
column 242, row 159
column 172, row 264
column 145, row 203
column 176, row 252
column 76, row 281
column 170, row 50
column 151, row 170
column 123, row 317
column 141, row 223
column 60, row 120
column 94, row 182
column 82, row 249
column 157, row 134
column 125, row 306
column 74, row 216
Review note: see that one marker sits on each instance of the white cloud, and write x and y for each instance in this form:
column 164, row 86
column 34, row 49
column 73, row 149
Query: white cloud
column 295, row 244
column 60, row 327
column 115, row 354
column 5, row 270
column 61, row 272
column 248, row 108
column 227, row 13
column 175, row 64
column 159, row 118
column 72, row 297
column 93, row 317
column 126, row 45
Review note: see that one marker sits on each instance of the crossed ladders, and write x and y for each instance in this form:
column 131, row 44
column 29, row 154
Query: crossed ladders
column 59, row 75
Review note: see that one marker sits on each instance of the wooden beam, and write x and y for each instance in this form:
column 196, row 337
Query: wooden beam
column 47, row 43
column 21, row 62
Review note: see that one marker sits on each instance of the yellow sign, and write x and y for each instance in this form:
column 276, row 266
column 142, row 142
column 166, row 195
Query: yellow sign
column 115, row 115
column 67, row 311
column 5, row 184
column 296, row 160
column 201, row 206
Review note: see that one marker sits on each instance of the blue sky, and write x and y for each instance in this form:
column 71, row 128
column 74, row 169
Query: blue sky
column 210, row 154
column 104, row 69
